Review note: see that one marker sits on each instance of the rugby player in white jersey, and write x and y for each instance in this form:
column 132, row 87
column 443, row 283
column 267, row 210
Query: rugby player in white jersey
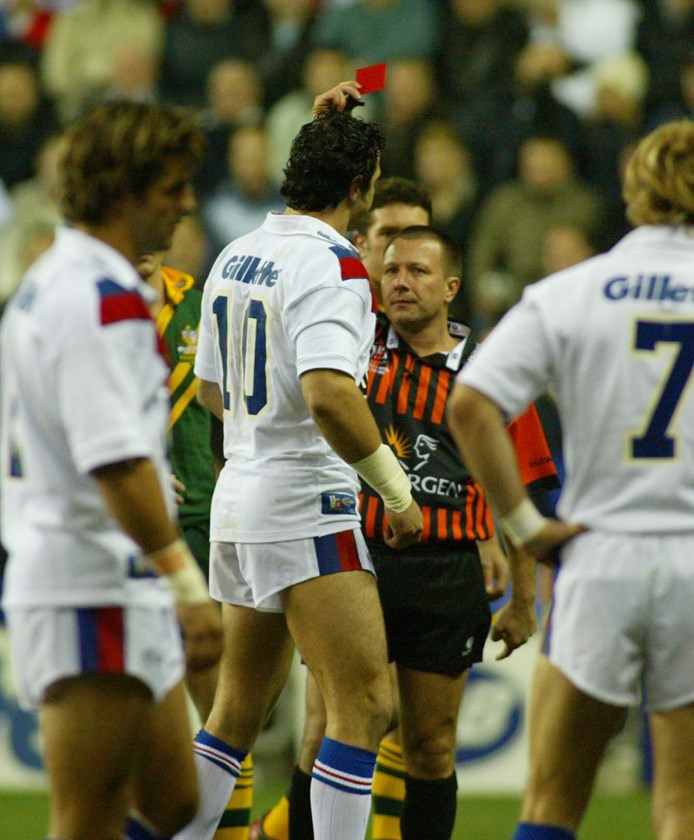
column 615, row 337
column 287, row 326
column 87, row 508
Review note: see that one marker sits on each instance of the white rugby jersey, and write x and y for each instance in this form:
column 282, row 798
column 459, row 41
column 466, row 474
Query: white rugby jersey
column 83, row 385
column 615, row 337
column 287, row 298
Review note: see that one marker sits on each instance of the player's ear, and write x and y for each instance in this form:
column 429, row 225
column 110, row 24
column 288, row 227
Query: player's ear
column 356, row 189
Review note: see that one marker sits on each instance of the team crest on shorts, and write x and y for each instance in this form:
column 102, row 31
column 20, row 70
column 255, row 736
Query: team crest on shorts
column 339, row 503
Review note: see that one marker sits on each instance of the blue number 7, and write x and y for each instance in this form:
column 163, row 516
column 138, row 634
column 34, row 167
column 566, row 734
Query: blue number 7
column 655, row 442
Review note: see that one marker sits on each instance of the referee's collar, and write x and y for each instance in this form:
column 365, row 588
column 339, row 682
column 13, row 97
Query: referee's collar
column 454, row 357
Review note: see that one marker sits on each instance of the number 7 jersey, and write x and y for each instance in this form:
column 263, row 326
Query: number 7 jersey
column 615, row 337
column 290, row 297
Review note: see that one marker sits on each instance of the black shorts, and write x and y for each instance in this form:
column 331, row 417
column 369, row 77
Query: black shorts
column 435, row 606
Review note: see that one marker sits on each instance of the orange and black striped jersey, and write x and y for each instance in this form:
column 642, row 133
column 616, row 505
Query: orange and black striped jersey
column 407, row 395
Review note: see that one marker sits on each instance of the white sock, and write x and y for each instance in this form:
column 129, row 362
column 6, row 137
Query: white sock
column 341, row 791
column 218, row 766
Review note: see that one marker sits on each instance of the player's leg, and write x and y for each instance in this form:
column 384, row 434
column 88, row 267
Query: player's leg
column 164, row 777
column 673, row 790
column 429, row 705
column 92, row 728
column 568, row 734
column 337, row 624
column 255, row 664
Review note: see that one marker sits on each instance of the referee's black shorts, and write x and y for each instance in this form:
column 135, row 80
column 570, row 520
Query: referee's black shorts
column 435, row 606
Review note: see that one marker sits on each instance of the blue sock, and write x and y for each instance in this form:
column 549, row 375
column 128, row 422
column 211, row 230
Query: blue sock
column 531, row 831
column 341, row 791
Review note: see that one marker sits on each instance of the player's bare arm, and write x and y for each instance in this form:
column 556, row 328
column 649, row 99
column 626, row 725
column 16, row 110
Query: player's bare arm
column 134, row 498
column 210, row 396
column 341, row 413
column 479, row 430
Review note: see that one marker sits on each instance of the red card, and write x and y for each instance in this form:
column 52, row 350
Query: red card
column 371, row 78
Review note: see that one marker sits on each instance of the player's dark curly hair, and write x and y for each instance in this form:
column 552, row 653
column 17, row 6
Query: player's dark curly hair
column 326, row 157
column 119, row 149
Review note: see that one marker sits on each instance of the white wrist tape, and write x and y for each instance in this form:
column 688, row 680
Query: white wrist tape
column 383, row 472
column 523, row 523
column 187, row 582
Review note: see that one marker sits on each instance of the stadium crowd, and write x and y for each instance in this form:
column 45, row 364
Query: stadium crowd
column 515, row 115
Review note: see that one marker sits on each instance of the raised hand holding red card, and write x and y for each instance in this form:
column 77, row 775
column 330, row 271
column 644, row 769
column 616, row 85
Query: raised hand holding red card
column 371, row 78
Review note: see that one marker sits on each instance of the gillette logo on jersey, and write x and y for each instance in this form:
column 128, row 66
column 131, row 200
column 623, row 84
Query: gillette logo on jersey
column 648, row 287
column 247, row 269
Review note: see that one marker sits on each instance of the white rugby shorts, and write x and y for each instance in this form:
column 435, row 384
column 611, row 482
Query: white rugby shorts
column 254, row 574
column 622, row 619
column 50, row 643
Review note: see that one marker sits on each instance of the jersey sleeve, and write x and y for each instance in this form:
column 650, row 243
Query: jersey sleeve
column 326, row 323
column 512, row 366
column 105, row 378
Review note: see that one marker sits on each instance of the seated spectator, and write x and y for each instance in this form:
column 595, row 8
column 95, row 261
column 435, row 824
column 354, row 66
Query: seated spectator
column 281, row 64
column 617, row 123
column 28, row 20
column 133, row 74
column 371, row 31
column 564, row 246
column 234, row 99
column 681, row 106
column 35, row 213
column 203, row 33
column 26, row 117
column 241, row 202
column 409, row 100
column 567, row 37
column 480, row 41
column 443, row 167
column 512, row 220
column 665, row 40
column 83, row 43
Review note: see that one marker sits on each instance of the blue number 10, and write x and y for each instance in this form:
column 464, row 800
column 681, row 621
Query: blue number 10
column 253, row 350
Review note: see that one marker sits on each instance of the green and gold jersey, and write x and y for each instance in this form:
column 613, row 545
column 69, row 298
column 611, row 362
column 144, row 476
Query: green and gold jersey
column 189, row 422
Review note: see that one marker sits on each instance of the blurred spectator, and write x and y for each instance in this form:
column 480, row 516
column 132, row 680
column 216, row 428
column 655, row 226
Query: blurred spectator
column 234, row 99
column 27, row 20
column 443, row 167
column 133, row 74
column 564, row 246
column 82, row 48
column 665, row 39
column 371, row 31
column 281, row 64
column 26, row 117
column 241, row 202
column 323, row 69
column 480, row 41
column 620, row 85
column 203, row 33
column 495, row 127
column 409, row 100
column 506, row 243
column 35, row 213
column 569, row 36
column 683, row 106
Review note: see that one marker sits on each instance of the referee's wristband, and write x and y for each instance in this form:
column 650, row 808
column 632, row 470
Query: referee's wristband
column 383, row 472
column 523, row 523
column 182, row 572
